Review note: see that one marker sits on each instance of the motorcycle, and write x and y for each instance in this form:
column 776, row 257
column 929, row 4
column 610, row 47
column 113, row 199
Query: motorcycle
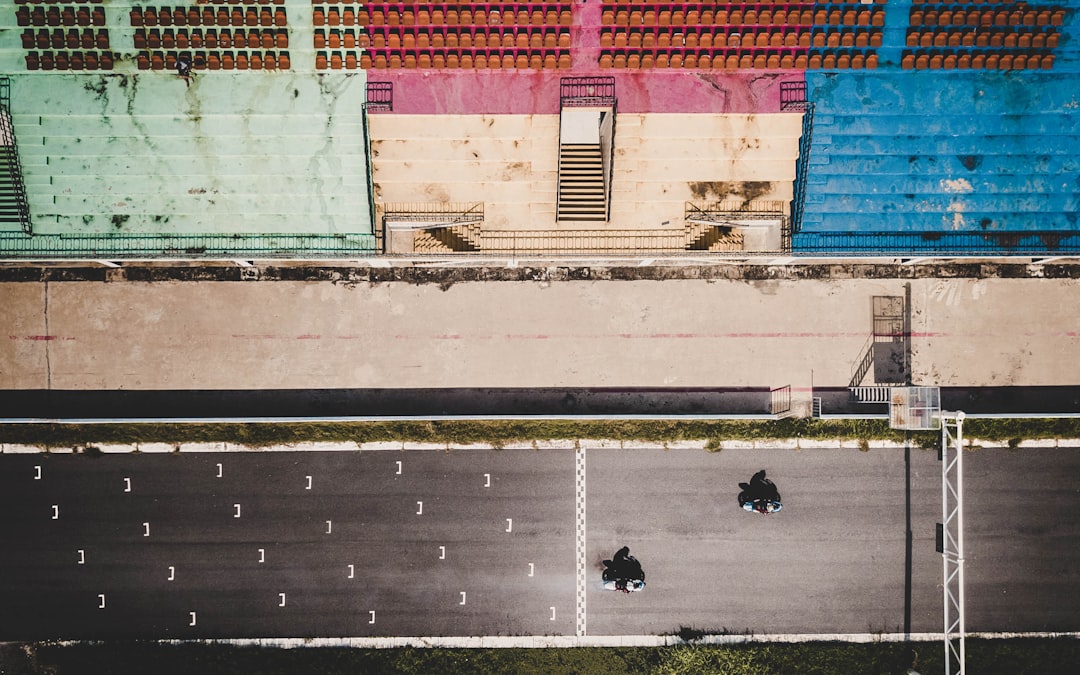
column 623, row 573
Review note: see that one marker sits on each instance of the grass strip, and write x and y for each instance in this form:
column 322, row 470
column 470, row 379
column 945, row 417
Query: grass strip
column 1013, row 656
column 502, row 432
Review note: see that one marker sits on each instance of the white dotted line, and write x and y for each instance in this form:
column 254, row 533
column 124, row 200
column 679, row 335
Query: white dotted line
column 580, row 542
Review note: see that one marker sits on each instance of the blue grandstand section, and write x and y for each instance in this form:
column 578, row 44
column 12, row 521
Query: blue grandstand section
column 944, row 161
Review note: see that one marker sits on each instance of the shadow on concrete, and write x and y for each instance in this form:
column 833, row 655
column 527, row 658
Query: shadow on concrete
column 383, row 402
column 973, row 400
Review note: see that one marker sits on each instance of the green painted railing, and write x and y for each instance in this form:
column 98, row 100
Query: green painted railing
column 190, row 246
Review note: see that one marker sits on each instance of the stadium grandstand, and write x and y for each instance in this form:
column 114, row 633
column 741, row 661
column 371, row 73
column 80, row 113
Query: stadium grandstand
column 339, row 129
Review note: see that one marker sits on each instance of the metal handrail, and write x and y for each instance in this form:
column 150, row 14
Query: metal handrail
column 909, row 244
column 802, row 167
column 124, row 246
column 594, row 91
column 11, row 152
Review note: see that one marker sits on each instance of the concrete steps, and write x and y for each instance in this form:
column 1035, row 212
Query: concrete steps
column 582, row 195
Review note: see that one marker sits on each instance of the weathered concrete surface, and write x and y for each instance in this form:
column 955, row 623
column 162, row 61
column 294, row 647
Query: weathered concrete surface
column 559, row 327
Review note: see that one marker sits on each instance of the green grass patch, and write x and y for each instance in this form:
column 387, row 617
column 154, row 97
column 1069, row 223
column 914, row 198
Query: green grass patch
column 501, row 432
column 1015, row 657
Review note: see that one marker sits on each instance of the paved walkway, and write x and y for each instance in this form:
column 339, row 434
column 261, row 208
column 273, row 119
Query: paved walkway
column 558, row 331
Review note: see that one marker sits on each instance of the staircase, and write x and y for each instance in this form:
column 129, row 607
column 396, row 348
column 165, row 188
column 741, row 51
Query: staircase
column 710, row 237
column 14, row 211
column 456, row 239
column 582, row 195
column 11, row 198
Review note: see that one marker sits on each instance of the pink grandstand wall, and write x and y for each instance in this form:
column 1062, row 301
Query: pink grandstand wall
column 537, row 92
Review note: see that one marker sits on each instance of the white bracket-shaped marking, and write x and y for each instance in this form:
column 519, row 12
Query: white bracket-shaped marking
column 101, row 601
column 82, row 557
column 219, row 470
column 372, row 613
column 329, row 527
column 552, row 613
column 462, row 598
column 487, row 480
column 308, row 487
column 172, row 573
column 398, row 468
column 281, row 599
column 127, row 484
column 146, row 529
column 509, row 524
column 192, row 615
column 56, row 512
column 37, row 472
column 442, row 553
column 352, row 572
column 532, row 569
column 262, row 555
column 419, row 508
column 237, row 507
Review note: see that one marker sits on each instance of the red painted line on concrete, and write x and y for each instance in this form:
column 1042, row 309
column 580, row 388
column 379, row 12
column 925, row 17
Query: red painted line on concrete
column 654, row 336
column 745, row 335
column 276, row 337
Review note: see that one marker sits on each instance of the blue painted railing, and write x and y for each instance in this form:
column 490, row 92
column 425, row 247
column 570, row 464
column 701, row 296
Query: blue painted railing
column 894, row 244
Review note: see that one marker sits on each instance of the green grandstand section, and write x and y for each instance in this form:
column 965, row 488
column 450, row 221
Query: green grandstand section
column 249, row 154
column 120, row 156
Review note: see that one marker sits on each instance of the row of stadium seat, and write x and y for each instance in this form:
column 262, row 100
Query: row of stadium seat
column 60, row 16
column 759, row 59
column 491, row 59
column 1022, row 15
column 508, row 39
column 78, row 60
column 208, row 16
column 751, row 38
column 1006, row 38
column 546, row 15
column 793, row 16
column 959, row 59
column 216, row 60
column 211, row 38
column 58, row 38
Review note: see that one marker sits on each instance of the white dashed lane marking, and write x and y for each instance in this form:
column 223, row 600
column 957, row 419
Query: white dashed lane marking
column 580, row 543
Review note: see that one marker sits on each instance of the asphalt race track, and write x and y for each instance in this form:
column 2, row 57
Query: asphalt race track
column 483, row 542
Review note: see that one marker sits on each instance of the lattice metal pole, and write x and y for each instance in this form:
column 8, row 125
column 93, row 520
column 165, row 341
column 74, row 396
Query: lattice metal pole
column 952, row 540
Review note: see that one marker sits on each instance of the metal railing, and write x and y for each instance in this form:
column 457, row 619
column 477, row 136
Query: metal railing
column 571, row 242
column 721, row 212
column 186, row 246
column 952, row 244
column 802, row 167
column 780, row 400
column 793, row 95
column 423, row 215
column 586, row 92
column 860, row 368
column 380, row 97
column 9, row 147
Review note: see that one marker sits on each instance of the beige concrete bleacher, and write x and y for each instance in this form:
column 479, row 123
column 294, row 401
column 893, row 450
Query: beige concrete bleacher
column 510, row 164
column 664, row 160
